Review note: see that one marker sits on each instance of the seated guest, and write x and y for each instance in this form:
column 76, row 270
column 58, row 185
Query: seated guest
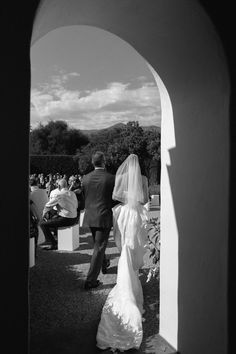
column 71, row 181
column 50, row 185
column 66, row 203
column 55, row 190
column 38, row 196
column 75, row 186
column 42, row 181
column 53, row 193
column 34, row 232
column 52, row 213
column 74, row 183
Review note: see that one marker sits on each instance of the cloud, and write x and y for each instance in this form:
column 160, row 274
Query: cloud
column 117, row 102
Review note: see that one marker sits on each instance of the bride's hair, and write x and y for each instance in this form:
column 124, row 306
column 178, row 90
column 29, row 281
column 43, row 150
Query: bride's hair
column 130, row 186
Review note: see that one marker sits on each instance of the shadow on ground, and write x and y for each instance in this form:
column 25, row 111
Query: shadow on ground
column 64, row 317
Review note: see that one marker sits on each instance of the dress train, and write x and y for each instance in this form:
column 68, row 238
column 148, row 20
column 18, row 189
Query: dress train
column 120, row 326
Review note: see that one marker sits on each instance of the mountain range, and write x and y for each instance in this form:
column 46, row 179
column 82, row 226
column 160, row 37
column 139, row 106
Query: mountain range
column 118, row 126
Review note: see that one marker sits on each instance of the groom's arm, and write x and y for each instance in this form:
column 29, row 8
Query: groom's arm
column 114, row 201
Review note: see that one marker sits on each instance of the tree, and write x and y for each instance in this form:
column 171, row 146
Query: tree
column 84, row 159
column 130, row 141
column 56, row 138
column 117, row 143
column 153, row 144
column 153, row 160
column 134, row 139
column 99, row 141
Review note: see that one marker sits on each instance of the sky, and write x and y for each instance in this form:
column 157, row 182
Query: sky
column 91, row 79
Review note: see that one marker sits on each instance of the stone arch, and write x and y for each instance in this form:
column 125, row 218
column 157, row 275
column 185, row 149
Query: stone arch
column 180, row 44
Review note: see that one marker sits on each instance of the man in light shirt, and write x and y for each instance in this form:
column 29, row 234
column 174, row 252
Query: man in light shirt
column 52, row 195
column 66, row 203
column 55, row 190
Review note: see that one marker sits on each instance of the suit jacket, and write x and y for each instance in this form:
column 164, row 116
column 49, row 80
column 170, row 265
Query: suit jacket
column 97, row 187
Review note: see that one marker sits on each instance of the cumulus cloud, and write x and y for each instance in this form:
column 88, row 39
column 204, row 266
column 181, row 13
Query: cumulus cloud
column 117, row 102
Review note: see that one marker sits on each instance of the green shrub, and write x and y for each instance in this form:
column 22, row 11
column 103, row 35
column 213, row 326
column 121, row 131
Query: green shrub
column 154, row 248
column 154, row 189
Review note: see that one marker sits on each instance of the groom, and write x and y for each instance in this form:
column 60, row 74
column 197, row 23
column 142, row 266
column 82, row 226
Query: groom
column 97, row 187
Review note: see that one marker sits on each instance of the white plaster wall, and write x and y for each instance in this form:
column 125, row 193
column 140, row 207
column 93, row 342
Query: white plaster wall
column 180, row 44
column 169, row 231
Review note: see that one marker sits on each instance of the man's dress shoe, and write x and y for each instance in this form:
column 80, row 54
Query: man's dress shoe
column 51, row 248
column 89, row 285
column 105, row 266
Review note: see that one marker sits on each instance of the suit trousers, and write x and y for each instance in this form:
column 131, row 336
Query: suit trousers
column 100, row 239
column 52, row 224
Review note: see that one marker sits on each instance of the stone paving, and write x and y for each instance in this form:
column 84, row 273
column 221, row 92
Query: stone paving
column 64, row 317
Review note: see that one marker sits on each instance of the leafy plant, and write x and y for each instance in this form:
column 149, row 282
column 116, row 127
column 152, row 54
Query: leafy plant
column 154, row 189
column 154, row 247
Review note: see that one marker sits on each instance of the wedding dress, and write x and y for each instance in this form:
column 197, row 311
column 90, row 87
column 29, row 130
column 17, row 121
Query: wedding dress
column 120, row 325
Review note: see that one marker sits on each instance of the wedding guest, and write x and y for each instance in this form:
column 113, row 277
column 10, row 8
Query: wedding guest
column 38, row 196
column 74, row 183
column 65, row 177
column 41, row 181
column 55, row 190
column 50, row 185
column 34, row 232
column 66, row 202
column 71, row 181
column 52, row 213
column 76, row 187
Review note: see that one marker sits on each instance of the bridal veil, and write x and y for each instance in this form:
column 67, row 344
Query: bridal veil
column 130, row 186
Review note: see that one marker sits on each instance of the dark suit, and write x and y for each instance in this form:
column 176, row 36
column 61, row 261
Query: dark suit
column 97, row 187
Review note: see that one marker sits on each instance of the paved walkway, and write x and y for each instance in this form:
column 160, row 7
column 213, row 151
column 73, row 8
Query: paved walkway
column 64, row 317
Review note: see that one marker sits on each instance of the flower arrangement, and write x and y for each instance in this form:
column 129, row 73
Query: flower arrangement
column 154, row 247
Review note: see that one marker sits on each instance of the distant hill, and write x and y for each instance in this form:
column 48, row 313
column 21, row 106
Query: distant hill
column 118, row 126
column 151, row 127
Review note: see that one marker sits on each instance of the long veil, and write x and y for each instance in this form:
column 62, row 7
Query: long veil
column 130, row 186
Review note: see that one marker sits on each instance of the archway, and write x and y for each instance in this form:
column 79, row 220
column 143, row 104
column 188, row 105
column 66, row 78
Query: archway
column 189, row 59
column 141, row 87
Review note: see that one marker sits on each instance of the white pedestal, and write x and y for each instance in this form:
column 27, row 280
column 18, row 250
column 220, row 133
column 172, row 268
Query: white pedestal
column 155, row 202
column 31, row 252
column 41, row 237
column 68, row 238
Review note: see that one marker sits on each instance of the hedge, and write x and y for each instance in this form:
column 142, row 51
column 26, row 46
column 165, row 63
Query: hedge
column 63, row 164
column 68, row 164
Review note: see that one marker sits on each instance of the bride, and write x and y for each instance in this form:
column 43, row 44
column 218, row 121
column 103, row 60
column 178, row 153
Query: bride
column 120, row 325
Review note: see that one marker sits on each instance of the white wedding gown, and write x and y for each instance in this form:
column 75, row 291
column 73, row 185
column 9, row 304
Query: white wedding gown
column 120, row 326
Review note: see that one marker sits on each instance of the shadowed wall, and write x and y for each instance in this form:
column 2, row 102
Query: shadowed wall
column 179, row 42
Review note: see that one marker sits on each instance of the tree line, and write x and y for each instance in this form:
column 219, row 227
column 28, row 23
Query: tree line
column 117, row 142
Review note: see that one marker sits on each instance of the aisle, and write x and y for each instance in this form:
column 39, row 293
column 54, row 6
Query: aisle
column 64, row 317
